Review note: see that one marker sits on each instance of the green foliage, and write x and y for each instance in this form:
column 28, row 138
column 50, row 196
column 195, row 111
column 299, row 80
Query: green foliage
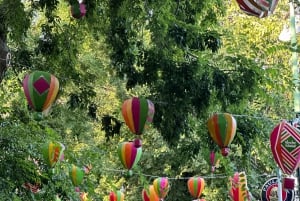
column 191, row 58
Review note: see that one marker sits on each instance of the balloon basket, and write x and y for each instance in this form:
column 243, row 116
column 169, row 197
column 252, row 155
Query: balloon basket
column 289, row 183
column 137, row 143
column 225, row 151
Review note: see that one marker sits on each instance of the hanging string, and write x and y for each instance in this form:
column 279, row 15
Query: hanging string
column 211, row 176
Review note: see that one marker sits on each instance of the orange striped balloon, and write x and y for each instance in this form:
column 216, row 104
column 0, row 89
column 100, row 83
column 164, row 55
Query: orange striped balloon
column 149, row 194
column 222, row 129
column 196, row 186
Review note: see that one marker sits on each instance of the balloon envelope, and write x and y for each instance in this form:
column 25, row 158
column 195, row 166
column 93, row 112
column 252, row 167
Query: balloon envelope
column 285, row 141
column 138, row 114
column 53, row 152
column 76, row 175
column 161, row 186
column 222, row 129
column 195, row 186
column 116, row 196
column 40, row 89
column 149, row 194
column 258, row 8
column 239, row 189
column 129, row 154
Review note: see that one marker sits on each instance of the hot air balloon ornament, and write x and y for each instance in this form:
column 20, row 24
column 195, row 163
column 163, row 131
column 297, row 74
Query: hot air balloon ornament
column 40, row 89
column 138, row 114
column 258, row 8
column 129, row 155
column 53, row 152
column 161, row 187
column 83, row 196
column 285, row 141
column 149, row 194
column 78, row 9
column 116, row 196
column 239, row 190
column 77, row 175
column 196, row 186
column 214, row 161
column 222, row 129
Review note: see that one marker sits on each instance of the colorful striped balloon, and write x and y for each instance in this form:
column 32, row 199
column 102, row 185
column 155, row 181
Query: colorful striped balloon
column 285, row 141
column 222, row 129
column 149, row 194
column 196, row 186
column 239, row 189
column 53, row 152
column 129, row 154
column 76, row 175
column 258, row 8
column 40, row 89
column 138, row 114
column 116, row 196
column 161, row 187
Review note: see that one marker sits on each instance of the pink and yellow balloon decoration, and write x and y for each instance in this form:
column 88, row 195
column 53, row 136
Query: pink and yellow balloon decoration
column 239, row 190
column 161, row 187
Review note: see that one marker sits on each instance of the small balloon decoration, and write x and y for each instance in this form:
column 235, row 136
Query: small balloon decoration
column 285, row 141
column 53, row 152
column 76, row 175
column 83, row 196
column 258, row 8
column 149, row 194
column 161, row 187
column 116, row 196
column 78, row 10
column 222, row 129
column 196, row 186
column 239, row 189
column 214, row 162
column 40, row 89
column 129, row 155
column 34, row 188
column 138, row 114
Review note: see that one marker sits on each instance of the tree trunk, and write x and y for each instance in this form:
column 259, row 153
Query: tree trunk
column 3, row 54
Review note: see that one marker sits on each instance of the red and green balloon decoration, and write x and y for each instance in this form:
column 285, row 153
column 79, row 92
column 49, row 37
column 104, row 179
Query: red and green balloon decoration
column 40, row 89
column 285, row 146
column 138, row 114
column 53, row 152
column 258, row 8
column 76, row 174
column 116, row 196
column 149, row 194
column 195, row 186
column 222, row 129
column 78, row 9
column 129, row 155
column 161, row 187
